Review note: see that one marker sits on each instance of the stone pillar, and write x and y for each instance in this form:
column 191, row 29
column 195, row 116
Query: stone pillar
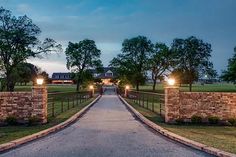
column 40, row 98
column 172, row 104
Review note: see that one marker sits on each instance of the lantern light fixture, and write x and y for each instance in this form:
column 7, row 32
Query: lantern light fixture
column 171, row 81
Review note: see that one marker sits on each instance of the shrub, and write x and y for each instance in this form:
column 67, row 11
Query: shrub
column 232, row 121
column 213, row 120
column 34, row 120
column 11, row 120
column 196, row 119
column 179, row 121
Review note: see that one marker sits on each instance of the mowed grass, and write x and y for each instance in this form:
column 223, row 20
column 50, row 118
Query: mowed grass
column 217, row 87
column 221, row 137
column 9, row 133
column 51, row 88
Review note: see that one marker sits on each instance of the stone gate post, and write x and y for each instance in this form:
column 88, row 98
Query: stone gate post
column 172, row 103
column 40, row 98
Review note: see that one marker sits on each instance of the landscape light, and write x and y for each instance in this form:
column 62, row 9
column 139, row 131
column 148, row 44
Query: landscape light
column 127, row 87
column 39, row 81
column 91, row 87
column 171, row 81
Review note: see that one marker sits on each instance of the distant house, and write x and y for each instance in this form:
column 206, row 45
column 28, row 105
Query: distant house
column 65, row 78
column 106, row 76
column 62, row 78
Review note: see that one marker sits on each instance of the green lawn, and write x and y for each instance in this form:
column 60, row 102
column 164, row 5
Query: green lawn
column 51, row 88
column 8, row 133
column 221, row 137
column 196, row 88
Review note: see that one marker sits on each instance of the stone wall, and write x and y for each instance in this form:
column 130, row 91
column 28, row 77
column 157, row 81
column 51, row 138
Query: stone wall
column 206, row 104
column 24, row 105
column 183, row 105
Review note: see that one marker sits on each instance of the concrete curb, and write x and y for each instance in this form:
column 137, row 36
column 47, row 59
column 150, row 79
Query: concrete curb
column 23, row 140
column 175, row 137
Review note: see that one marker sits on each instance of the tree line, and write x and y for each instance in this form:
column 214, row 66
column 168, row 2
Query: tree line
column 186, row 60
column 19, row 41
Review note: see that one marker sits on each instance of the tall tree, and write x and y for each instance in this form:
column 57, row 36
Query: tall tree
column 193, row 58
column 229, row 75
column 161, row 60
column 18, row 42
column 81, row 57
column 132, row 62
column 26, row 72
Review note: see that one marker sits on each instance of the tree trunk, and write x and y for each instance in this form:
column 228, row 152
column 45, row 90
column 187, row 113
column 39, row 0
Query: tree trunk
column 190, row 87
column 154, row 85
column 78, row 82
column 137, row 86
column 78, row 86
column 9, row 83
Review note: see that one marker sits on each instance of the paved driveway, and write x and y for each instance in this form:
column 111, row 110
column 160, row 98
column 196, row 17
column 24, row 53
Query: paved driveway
column 107, row 129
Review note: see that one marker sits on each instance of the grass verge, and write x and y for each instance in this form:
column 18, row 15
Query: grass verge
column 221, row 137
column 9, row 133
column 217, row 87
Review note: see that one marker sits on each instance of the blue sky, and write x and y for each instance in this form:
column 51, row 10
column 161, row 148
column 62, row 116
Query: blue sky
column 109, row 22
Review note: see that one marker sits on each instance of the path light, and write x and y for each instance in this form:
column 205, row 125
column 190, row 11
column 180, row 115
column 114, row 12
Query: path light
column 91, row 87
column 92, row 90
column 126, row 90
column 39, row 81
column 171, row 81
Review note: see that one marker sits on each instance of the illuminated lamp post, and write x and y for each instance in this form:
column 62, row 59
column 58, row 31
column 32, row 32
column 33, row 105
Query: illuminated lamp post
column 126, row 90
column 91, row 88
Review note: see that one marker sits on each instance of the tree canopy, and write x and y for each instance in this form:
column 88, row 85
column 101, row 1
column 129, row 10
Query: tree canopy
column 133, row 61
column 18, row 42
column 229, row 74
column 192, row 58
column 26, row 72
column 81, row 57
column 161, row 60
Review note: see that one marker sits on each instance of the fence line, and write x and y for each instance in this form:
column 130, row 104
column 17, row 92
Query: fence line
column 152, row 101
column 60, row 102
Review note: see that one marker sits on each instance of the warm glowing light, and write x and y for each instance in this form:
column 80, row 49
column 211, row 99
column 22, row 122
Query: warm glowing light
column 91, row 87
column 127, row 87
column 39, row 81
column 171, row 81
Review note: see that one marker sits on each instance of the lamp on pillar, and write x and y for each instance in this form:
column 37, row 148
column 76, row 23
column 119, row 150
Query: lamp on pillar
column 39, row 96
column 171, row 82
column 172, row 101
column 91, row 88
column 126, row 90
column 39, row 80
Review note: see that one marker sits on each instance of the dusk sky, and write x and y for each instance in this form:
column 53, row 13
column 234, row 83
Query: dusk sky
column 109, row 22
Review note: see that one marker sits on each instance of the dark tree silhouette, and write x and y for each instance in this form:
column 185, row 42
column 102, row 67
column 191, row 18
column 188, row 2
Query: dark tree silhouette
column 18, row 42
column 81, row 57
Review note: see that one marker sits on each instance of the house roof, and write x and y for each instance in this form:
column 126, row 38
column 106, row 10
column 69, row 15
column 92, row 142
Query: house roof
column 67, row 76
column 61, row 76
column 107, row 70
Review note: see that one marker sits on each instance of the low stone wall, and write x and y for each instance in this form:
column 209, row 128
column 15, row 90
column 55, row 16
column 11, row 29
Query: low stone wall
column 24, row 105
column 183, row 105
column 222, row 105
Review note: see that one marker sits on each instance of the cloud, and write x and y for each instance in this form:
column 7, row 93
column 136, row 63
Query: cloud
column 50, row 65
column 110, row 22
column 23, row 8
